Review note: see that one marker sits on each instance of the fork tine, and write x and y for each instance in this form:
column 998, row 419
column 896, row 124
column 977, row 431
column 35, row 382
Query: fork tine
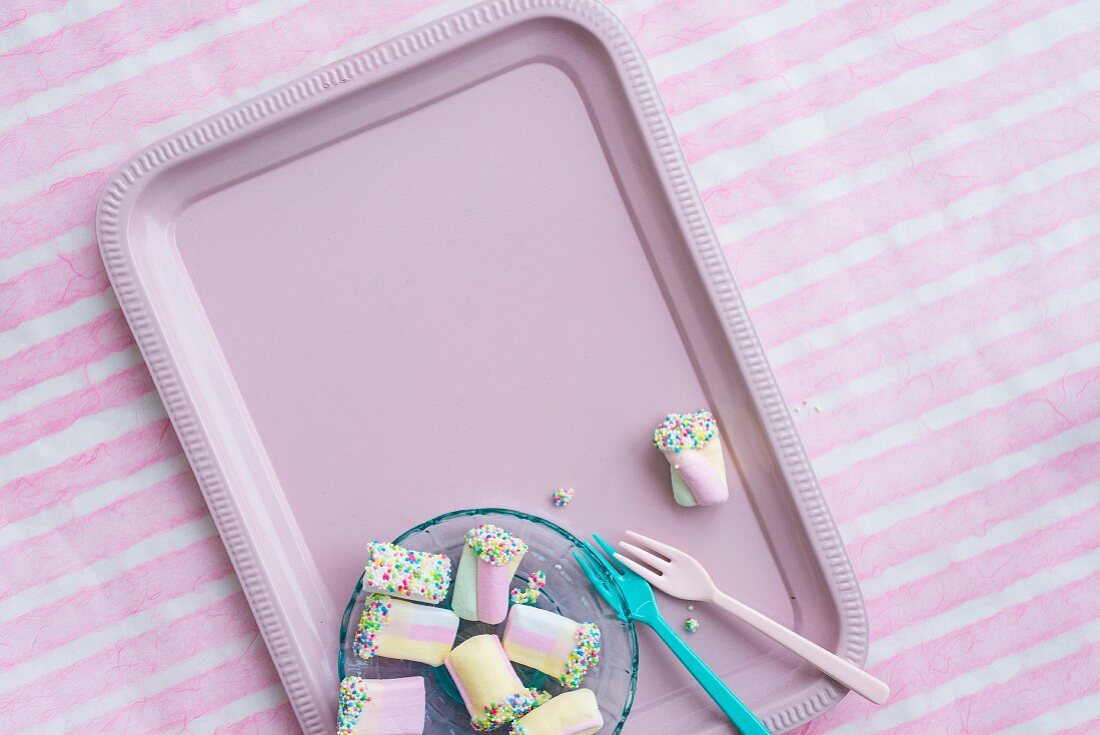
column 649, row 558
column 585, row 566
column 646, row 574
column 609, row 550
column 654, row 544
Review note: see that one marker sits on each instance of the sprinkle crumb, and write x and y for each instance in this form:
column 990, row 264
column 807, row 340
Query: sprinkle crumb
column 691, row 607
column 562, row 496
column 818, row 408
column 691, row 625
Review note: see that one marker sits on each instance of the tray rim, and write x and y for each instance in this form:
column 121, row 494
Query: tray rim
column 826, row 543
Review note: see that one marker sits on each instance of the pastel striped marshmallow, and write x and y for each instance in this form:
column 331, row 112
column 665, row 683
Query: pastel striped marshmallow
column 401, row 629
column 570, row 713
column 400, row 572
column 553, row 644
column 488, row 685
column 381, row 706
column 489, row 560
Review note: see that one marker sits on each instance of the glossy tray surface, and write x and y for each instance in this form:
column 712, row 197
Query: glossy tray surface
column 463, row 269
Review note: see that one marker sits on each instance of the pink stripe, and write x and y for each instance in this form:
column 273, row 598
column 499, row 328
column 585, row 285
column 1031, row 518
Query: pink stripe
column 983, row 575
column 992, row 364
column 432, row 634
column 120, row 389
column 937, row 456
column 673, row 24
column 142, row 588
column 278, row 719
column 109, row 461
column 806, row 42
column 66, row 352
column 974, row 513
column 53, row 212
column 52, row 286
column 102, row 534
column 530, row 639
column 896, row 340
column 930, row 259
column 130, row 661
column 75, row 50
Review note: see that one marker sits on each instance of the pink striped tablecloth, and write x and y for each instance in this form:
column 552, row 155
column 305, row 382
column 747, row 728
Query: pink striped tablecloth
column 907, row 191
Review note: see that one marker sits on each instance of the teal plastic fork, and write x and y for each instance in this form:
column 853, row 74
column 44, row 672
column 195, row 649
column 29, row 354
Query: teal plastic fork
column 641, row 607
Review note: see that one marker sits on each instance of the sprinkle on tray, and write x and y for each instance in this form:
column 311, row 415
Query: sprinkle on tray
column 691, row 625
column 562, row 496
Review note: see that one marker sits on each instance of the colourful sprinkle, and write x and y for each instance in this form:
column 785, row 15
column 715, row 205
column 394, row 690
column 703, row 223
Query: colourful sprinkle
column 531, row 595
column 562, row 496
column 691, row 625
column 376, row 613
column 353, row 699
column 585, row 655
column 493, row 545
column 410, row 574
column 680, row 431
column 516, row 706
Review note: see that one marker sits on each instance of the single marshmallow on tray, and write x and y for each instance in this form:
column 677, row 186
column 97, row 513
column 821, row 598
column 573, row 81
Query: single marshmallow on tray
column 381, row 706
column 414, row 575
column 488, row 685
column 553, row 644
column 569, row 713
column 489, row 560
column 692, row 446
column 393, row 628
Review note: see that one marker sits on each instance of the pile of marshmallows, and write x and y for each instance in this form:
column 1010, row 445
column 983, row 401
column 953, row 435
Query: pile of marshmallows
column 393, row 625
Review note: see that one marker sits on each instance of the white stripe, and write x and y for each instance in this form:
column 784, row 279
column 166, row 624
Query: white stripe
column 997, row 395
column 107, row 569
column 146, row 686
column 234, row 712
column 901, row 91
column 97, row 498
column 1029, row 108
column 936, row 561
column 751, row 30
column 82, row 435
column 975, row 681
column 975, row 610
column 747, row 96
column 963, row 345
column 71, row 382
column 37, row 330
column 1070, row 714
column 41, row 25
column 75, row 239
column 888, row 515
column 99, row 640
column 978, row 203
column 911, row 301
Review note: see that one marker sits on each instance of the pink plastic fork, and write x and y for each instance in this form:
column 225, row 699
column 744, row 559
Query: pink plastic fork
column 678, row 574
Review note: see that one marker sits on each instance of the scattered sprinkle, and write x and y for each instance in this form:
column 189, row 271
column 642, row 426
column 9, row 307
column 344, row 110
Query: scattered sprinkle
column 798, row 409
column 512, row 708
column 557, row 566
column 403, row 573
column 493, row 545
column 376, row 613
column 562, row 496
column 680, row 431
column 585, row 655
column 353, row 698
column 531, row 595
column 817, row 407
column 691, row 625
column 691, row 607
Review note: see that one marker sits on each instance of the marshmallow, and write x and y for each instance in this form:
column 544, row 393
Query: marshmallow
column 553, row 644
column 393, row 628
column 489, row 560
column 488, row 684
column 693, row 448
column 414, row 575
column 570, row 713
column 381, row 706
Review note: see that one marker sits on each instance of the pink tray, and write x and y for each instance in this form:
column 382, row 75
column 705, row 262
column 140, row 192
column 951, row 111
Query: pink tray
column 462, row 269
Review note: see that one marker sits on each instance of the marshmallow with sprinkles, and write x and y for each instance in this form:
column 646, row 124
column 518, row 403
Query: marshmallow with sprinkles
column 489, row 686
column 693, row 447
column 413, row 575
column 393, row 628
column 569, row 713
column 381, row 706
column 552, row 643
column 490, row 558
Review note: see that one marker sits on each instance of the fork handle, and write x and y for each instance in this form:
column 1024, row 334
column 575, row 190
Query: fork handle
column 727, row 701
column 844, row 672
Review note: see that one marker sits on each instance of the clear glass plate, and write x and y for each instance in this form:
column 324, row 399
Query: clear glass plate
column 567, row 592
